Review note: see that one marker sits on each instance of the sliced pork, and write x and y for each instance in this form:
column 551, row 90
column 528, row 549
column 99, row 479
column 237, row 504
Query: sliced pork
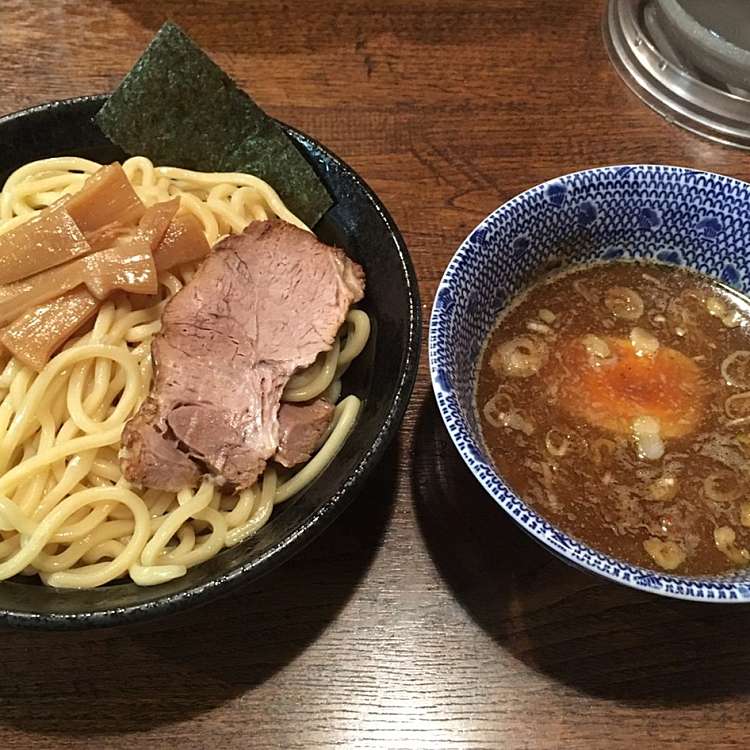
column 262, row 306
column 302, row 428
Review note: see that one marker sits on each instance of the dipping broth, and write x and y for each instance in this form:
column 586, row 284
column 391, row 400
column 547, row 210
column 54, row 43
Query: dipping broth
column 614, row 398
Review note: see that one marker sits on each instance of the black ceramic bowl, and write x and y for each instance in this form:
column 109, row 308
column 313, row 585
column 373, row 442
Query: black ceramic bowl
column 383, row 376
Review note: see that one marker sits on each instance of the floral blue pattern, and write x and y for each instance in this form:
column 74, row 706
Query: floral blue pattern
column 671, row 214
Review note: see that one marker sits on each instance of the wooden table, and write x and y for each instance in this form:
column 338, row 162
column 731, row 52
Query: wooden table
column 423, row 618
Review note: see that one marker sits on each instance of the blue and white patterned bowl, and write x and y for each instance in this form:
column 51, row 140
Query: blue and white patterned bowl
column 696, row 219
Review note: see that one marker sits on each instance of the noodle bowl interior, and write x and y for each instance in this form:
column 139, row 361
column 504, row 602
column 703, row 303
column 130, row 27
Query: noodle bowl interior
column 614, row 398
column 67, row 515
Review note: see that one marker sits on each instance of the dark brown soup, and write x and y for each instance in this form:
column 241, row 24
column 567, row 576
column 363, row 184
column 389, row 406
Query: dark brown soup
column 615, row 399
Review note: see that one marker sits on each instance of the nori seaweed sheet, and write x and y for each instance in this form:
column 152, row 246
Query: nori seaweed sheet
column 177, row 107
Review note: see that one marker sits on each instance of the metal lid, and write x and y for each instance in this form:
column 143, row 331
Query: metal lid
column 657, row 48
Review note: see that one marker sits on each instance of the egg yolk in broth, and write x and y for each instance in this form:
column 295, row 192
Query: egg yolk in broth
column 626, row 384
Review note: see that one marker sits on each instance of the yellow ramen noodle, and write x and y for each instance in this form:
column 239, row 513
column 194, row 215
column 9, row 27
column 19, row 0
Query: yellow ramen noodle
column 66, row 513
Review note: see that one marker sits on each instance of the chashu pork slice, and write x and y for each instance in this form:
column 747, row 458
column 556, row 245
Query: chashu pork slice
column 262, row 306
column 302, row 428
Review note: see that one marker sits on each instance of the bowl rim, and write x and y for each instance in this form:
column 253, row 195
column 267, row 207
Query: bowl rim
column 329, row 509
column 688, row 588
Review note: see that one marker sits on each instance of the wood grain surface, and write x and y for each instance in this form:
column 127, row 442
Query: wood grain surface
column 423, row 618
